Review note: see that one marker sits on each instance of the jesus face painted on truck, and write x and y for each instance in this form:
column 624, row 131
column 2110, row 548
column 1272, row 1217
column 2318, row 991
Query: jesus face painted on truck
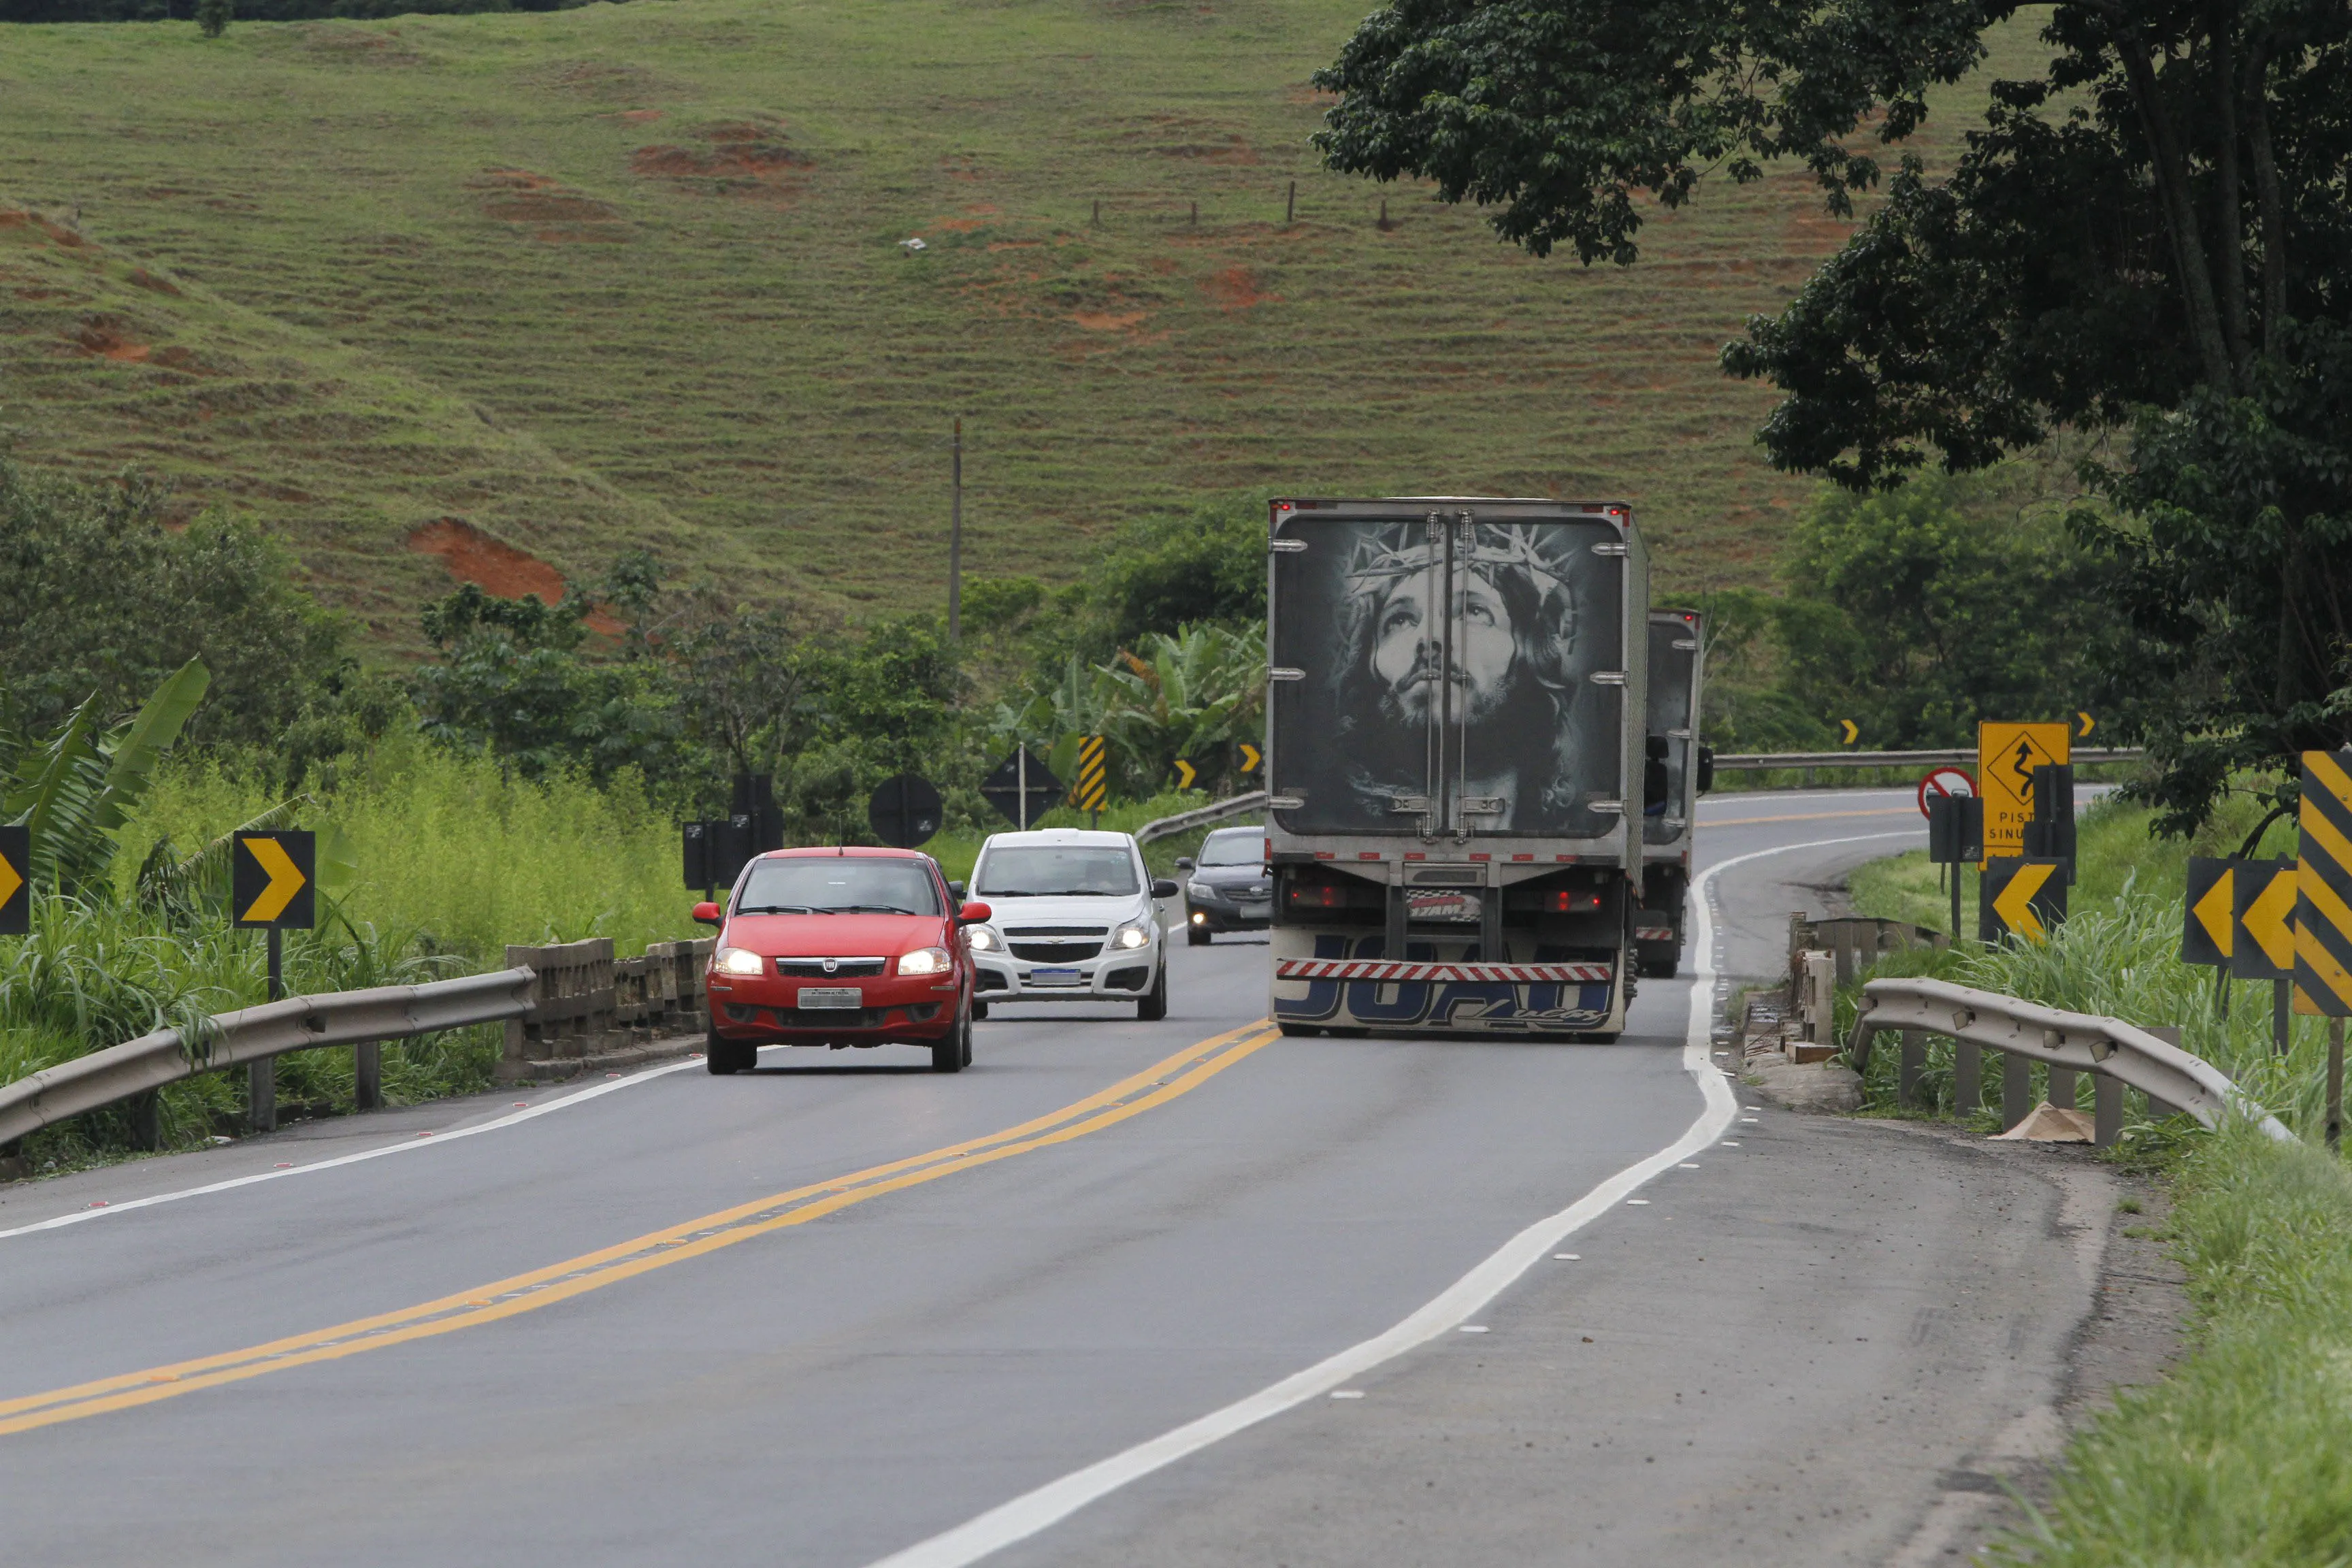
column 1510, row 669
column 1409, row 651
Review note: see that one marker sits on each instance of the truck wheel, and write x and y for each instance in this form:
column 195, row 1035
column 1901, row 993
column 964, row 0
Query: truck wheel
column 951, row 1052
column 1348, row 1034
column 1297, row 1031
column 1154, row 1005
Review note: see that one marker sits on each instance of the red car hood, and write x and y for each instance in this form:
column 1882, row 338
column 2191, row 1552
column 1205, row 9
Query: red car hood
column 833, row 936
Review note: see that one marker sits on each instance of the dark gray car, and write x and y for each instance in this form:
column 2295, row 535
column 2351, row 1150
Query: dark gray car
column 1230, row 888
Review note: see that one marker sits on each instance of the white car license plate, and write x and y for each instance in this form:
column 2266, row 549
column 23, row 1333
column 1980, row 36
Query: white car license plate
column 1257, row 911
column 832, row 997
column 1053, row 977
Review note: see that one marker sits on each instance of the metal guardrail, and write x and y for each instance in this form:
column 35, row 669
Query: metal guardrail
column 1239, row 806
column 251, row 1034
column 1757, row 760
column 2074, row 1042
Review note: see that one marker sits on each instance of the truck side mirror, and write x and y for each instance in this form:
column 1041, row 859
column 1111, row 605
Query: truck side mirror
column 1706, row 769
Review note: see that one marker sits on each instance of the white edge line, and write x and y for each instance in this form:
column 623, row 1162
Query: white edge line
column 1048, row 1505
column 438, row 1140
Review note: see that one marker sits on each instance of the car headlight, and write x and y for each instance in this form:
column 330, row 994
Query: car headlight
column 1200, row 890
column 982, row 940
column 1135, row 933
column 924, row 961
column 737, row 961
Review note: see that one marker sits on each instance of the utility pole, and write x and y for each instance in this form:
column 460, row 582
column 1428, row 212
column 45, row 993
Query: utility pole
column 955, row 542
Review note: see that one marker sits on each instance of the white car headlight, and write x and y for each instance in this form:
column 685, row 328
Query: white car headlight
column 1200, row 890
column 1135, row 933
column 924, row 961
column 737, row 961
column 982, row 940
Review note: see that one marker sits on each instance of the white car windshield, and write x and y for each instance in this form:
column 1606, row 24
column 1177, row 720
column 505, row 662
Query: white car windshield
column 838, row 885
column 1057, row 870
column 1234, row 849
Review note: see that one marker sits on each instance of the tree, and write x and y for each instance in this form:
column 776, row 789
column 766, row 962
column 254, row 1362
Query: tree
column 97, row 596
column 2149, row 237
column 213, row 16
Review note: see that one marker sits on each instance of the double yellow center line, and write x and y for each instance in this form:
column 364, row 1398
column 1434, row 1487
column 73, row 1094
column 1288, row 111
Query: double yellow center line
column 1156, row 1085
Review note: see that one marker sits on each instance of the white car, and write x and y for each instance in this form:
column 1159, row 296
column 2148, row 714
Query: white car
column 1074, row 918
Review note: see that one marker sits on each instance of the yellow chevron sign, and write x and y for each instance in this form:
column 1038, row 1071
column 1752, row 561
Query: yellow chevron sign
column 16, row 880
column 271, row 879
column 2021, row 897
column 1092, row 792
column 1185, row 774
column 2323, row 885
column 2265, row 899
column 2212, row 912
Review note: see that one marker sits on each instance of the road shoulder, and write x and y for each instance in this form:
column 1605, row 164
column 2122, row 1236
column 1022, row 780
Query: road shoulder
column 1836, row 1342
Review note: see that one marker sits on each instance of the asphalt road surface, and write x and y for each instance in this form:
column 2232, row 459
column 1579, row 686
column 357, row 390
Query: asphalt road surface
column 1182, row 1292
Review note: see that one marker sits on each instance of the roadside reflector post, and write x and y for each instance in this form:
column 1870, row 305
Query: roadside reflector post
column 2335, row 1082
column 1911, row 1067
column 273, row 884
column 261, row 1074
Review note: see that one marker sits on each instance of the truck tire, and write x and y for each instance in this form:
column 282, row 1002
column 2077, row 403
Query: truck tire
column 1154, row 1004
column 1296, row 1031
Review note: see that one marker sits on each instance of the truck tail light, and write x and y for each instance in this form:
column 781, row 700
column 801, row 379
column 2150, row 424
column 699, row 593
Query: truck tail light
column 1317, row 896
column 1571, row 900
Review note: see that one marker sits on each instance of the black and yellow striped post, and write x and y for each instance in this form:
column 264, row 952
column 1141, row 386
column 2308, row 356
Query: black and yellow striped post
column 1092, row 792
column 2323, row 911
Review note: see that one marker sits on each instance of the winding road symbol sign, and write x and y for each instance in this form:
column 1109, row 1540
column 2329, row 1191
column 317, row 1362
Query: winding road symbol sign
column 273, row 880
column 2007, row 755
column 15, row 881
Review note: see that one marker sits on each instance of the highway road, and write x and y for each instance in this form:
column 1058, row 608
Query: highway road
column 1183, row 1292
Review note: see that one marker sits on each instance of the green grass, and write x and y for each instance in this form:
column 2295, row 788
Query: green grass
column 2239, row 1456
column 631, row 275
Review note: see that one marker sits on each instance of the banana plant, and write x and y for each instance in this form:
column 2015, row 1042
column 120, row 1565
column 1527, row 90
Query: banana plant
column 77, row 789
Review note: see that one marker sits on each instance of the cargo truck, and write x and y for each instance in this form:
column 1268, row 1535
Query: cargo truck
column 1457, row 764
column 1670, row 819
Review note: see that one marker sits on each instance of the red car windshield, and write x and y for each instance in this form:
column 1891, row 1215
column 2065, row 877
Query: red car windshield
column 838, row 885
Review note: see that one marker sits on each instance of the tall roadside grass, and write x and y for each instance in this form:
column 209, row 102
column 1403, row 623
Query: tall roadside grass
column 2238, row 1457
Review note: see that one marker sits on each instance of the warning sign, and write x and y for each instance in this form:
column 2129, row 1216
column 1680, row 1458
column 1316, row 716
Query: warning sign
column 16, row 880
column 272, row 879
column 2323, row 912
column 2007, row 755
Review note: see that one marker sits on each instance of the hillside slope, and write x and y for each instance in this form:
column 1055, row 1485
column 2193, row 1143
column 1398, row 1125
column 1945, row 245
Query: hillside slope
column 632, row 275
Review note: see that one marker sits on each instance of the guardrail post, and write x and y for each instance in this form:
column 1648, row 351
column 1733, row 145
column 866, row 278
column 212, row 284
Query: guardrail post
column 147, row 1122
column 2064, row 1094
column 2016, row 1087
column 1968, row 1078
column 367, row 1076
column 1911, row 1067
column 2106, row 1110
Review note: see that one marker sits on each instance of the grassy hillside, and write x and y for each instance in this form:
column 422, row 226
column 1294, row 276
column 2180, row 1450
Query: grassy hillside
column 451, row 289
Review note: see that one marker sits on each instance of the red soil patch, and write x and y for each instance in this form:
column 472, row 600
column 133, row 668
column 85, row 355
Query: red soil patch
column 1235, row 289
column 1108, row 321
column 473, row 556
column 737, row 157
column 978, row 218
column 108, row 337
column 555, row 215
column 143, row 279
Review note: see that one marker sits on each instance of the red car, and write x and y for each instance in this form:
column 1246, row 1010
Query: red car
column 840, row 947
